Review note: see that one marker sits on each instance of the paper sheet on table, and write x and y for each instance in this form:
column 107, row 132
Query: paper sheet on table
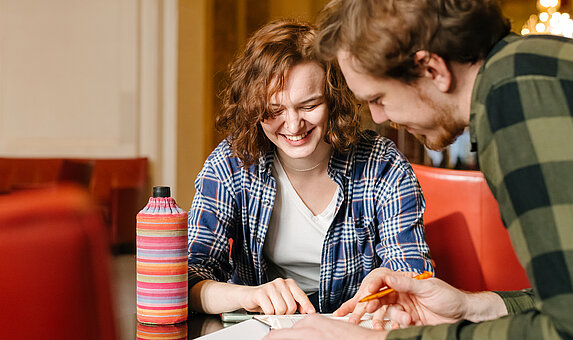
column 260, row 326
column 286, row 321
column 250, row 329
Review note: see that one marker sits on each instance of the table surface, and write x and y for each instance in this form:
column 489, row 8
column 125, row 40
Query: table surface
column 196, row 326
column 124, row 285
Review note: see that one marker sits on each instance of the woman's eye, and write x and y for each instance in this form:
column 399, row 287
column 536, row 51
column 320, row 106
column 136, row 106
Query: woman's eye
column 309, row 107
column 276, row 112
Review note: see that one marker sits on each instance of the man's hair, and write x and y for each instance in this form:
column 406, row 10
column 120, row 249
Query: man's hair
column 384, row 35
column 259, row 72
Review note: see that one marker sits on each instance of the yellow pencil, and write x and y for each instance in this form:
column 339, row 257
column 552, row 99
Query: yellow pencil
column 387, row 290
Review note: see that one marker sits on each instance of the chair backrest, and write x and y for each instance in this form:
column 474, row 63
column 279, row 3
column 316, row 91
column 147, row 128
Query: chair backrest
column 120, row 187
column 109, row 174
column 25, row 173
column 468, row 242
column 77, row 171
column 55, row 267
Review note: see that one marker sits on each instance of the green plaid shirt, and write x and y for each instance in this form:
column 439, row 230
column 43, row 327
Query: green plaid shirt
column 522, row 123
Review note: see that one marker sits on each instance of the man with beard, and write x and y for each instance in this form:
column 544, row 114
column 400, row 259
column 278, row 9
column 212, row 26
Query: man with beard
column 435, row 67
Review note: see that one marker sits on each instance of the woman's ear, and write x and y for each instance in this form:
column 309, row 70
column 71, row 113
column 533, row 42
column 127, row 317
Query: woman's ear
column 435, row 69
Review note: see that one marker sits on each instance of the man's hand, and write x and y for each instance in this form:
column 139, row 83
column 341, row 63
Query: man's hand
column 280, row 296
column 422, row 302
column 370, row 284
column 318, row 327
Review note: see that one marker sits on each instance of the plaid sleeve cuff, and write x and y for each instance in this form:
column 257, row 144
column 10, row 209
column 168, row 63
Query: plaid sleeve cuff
column 518, row 301
column 198, row 274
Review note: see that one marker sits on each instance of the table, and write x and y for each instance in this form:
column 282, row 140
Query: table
column 196, row 326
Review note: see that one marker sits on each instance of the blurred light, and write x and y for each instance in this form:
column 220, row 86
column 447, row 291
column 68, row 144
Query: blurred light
column 549, row 20
column 554, row 22
column 548, row 3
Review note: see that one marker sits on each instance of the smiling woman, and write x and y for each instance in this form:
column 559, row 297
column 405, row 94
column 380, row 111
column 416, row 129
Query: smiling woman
column 295, row 163
column 299, row 121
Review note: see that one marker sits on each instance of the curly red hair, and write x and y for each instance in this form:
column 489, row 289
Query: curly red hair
column 269, row 54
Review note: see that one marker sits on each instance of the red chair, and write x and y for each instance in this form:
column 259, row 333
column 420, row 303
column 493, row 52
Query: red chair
column 55, row 267
column 28, row 173
column 120, row 188
column 468, row 242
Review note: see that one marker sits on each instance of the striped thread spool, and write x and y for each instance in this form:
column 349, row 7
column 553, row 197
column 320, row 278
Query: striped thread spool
column 162, row 262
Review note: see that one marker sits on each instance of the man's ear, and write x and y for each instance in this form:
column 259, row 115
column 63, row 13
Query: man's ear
column 435, row 69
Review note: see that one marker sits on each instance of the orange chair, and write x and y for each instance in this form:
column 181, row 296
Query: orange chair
column 55, row 267
column 468, row 242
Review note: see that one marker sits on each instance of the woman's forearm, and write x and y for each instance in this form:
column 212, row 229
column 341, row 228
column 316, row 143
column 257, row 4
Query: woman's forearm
column 214, row 297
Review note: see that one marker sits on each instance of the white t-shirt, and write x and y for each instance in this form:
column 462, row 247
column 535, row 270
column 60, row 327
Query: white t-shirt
column 293, row 244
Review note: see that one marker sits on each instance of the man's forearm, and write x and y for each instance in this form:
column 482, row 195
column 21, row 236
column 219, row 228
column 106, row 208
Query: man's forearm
column 484, row 306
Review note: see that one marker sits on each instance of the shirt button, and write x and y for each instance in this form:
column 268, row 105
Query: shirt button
column 258, row 240
column 267, row 202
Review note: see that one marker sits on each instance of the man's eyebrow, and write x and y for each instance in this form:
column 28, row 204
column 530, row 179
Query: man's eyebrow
column 369, row 97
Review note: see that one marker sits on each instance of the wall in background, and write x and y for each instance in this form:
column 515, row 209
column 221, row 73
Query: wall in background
column 89, row 79
column 69, row 80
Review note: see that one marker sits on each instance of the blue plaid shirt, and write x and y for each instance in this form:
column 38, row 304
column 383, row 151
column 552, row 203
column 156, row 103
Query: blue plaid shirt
column 378, row 220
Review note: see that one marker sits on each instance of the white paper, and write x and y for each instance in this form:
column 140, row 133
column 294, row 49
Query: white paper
column 287, row 321
column 256, row 328
column 246, row 330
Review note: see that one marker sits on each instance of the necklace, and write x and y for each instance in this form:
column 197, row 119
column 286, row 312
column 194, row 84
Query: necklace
column 301, row 170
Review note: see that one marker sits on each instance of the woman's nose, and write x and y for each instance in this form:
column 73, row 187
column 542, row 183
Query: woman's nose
column 293, row 121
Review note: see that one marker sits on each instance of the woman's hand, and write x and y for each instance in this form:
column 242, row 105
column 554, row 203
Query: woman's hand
column 280, row 296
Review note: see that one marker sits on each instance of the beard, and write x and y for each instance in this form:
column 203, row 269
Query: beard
column 446, row 127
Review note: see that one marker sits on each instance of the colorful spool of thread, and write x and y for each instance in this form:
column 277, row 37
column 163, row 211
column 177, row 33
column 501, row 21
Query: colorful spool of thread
column 162, row 261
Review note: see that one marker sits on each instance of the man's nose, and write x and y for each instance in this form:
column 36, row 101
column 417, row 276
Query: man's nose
column 378, row 114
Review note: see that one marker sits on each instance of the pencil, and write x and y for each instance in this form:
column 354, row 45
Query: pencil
column 387, row 290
